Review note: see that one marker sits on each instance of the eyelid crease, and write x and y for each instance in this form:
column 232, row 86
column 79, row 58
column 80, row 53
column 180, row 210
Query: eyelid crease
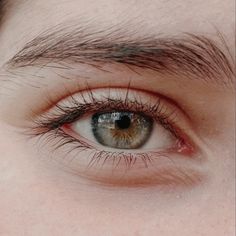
column 172, row 177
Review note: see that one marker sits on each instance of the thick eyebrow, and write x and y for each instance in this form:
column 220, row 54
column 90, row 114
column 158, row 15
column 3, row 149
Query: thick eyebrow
column 190, row 55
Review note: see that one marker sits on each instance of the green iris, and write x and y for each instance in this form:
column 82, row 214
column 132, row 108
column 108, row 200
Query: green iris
column 122, row 130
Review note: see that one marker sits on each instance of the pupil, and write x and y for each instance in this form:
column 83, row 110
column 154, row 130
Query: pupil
column 124, row 122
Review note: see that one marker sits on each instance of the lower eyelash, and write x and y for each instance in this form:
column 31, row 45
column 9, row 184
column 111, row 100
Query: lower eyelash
column 69, row 114
column 172, row 177
column 99, row 156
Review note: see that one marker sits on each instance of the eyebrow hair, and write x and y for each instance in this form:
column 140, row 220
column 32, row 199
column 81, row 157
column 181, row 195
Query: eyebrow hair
column 191, row 55
column 2, row 3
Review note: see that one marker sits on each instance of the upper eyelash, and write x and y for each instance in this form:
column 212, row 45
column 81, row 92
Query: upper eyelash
column 69, row 114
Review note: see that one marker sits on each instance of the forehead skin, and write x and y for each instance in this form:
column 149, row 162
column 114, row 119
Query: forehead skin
column 143, row 17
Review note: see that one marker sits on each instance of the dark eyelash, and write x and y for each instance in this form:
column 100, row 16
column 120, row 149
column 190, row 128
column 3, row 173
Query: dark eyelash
column 69, row 114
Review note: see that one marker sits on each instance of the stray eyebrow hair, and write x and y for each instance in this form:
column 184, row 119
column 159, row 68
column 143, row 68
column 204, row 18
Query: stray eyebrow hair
column 191, row 56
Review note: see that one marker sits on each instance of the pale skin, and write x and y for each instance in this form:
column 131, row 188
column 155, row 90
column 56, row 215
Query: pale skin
column 41, row 196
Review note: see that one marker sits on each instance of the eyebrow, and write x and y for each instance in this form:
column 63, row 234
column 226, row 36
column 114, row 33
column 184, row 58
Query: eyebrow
column 189, row 55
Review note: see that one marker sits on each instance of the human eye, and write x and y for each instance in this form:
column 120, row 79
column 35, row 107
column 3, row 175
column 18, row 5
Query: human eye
column 120, row 137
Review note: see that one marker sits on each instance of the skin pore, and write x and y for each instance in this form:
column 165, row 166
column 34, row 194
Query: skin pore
column 107, row 56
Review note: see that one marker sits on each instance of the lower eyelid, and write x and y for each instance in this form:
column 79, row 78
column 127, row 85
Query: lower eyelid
column 156, row 170
column 144, row 170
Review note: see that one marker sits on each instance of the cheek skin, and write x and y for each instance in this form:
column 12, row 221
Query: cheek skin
column 47, row 197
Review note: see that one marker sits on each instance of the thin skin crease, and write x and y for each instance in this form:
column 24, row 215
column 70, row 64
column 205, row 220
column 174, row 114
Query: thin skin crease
column 62, row 62
column 163, row 179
